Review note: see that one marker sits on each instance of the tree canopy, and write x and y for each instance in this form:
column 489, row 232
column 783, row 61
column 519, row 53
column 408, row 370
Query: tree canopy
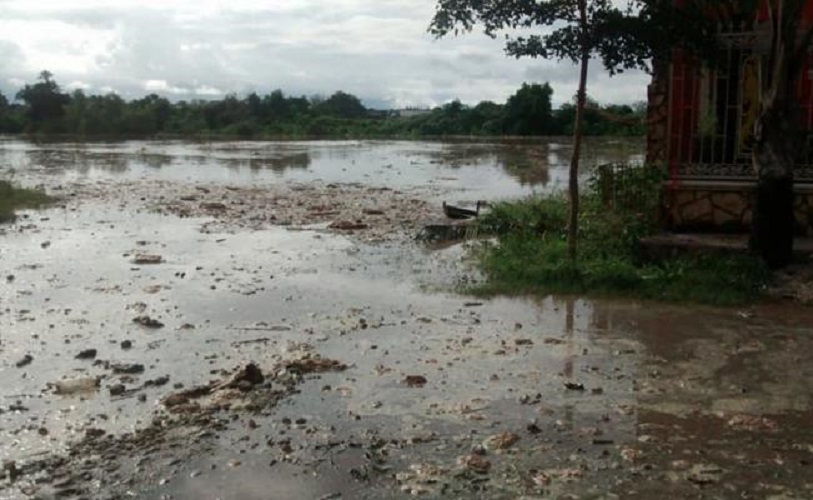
column 556, row 29
column 527, row 112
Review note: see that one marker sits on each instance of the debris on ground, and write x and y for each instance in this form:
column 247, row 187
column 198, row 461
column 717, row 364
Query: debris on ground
column 147, row 259
column 148, row 322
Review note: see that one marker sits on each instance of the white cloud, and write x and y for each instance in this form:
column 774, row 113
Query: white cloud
column 378, row 50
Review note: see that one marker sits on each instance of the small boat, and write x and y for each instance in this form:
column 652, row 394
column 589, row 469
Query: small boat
column 454, row 212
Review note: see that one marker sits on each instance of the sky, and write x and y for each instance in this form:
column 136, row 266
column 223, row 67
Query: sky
column 378, row 50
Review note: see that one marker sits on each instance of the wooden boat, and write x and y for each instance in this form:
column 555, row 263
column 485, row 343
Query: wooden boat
column 454, row 212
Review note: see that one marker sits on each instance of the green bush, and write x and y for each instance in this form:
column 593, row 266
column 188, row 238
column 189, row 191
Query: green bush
column 13, row 197
column 531, row 255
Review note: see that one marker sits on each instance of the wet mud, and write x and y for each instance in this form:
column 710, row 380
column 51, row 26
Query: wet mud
column 164, row 336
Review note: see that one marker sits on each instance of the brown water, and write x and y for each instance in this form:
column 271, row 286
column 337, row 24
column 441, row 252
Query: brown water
column 492, row 170
column 680, row 400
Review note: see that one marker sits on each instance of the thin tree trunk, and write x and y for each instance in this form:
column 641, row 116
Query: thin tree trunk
column 777, row 138
column 773, row 221
column 573, row 181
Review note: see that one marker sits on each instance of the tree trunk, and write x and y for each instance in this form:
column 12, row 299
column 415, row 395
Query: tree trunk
column 774, row 157
column 573, row 181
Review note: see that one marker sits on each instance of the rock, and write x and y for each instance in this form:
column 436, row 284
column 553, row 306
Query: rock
column 475, row 463
column 117, row 389
column 148, row 322
column 501, row 441
column 93, row 432
column 574, row 386
column 158, row 382
column 250, row 374
column 25, row 360
column 86, row 354
column 147, row 259
column 127, row 368
column 11, row 470
column 73, row 386
column 415, row 380
column 126, row 344
column 520, row 342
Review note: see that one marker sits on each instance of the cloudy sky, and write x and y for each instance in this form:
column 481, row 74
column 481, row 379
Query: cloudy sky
column 376, row 49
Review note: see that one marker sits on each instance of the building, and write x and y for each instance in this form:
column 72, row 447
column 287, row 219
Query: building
column 701, row 123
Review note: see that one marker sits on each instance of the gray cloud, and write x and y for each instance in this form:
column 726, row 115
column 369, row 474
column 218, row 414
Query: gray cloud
column 379, row 51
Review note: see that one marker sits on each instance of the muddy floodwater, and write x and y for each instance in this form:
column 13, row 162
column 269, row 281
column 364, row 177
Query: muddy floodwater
column 254, row 320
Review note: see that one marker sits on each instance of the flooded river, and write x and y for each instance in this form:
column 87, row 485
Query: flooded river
column 127, row 310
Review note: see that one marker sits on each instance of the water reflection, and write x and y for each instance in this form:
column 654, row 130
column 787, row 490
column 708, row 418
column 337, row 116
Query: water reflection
column 493, row 171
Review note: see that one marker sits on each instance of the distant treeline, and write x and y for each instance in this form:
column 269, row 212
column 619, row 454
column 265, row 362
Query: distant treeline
column 43, row 108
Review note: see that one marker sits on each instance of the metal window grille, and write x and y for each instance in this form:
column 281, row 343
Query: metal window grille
column 712, row 111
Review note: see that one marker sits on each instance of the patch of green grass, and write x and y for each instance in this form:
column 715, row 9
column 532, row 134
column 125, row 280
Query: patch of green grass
column 531, row 257
column 14, row 197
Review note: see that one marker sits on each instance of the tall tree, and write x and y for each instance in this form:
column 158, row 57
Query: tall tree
column 574, row 30
column 784, row 38
column 529, row 111
column 44, row 99
column 342, row 105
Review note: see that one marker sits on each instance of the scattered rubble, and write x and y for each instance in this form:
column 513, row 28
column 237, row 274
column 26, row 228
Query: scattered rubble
column 147, row 259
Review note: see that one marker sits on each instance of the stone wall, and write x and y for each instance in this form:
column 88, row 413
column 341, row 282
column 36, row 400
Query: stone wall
column 657, row 115
column 725, row 207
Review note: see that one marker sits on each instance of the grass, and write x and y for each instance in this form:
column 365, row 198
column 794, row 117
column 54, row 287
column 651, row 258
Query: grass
column 14, row 197
column 531, row 256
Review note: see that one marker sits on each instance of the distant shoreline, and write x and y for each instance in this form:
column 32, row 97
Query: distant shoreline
column 100, row 138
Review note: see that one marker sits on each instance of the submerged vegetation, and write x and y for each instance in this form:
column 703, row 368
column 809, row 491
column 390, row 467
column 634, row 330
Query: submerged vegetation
column 620, row 207
column 44, row 108
column 14, row 197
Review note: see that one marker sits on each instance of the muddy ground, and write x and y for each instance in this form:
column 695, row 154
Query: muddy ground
column 163, row 337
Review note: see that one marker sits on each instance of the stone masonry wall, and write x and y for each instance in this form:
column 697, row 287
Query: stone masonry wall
column 657, row 115
column 726, row 209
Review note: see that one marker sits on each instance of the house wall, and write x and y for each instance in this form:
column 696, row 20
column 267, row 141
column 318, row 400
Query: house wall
column 725, row 207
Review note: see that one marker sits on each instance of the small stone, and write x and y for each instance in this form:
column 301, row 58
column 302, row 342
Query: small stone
column 86, row 354
column 148, row 322
column 127, row 368
column 475, row 463
column 117, row 389
column 415, row 380
column 126, row 344
column 25, row 360
column 501, row 441
column 146, row 259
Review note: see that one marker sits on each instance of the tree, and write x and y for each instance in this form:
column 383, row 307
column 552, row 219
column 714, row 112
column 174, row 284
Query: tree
column 44, row 99
column 573, row 30
column 777, row 136
column 529, row 111
column 342, row 105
